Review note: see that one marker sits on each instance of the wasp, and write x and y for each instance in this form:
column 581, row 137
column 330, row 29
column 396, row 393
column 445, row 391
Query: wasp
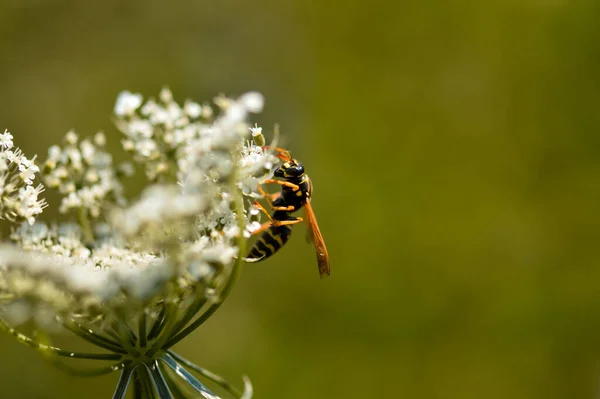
column 296, row 193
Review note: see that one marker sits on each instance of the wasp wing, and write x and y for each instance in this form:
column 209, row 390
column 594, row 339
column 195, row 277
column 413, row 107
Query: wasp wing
column 310, row 237
column 317, row 238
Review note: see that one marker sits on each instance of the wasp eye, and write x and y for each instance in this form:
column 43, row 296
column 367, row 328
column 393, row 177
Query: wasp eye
column 296, row 170
column 279, row 172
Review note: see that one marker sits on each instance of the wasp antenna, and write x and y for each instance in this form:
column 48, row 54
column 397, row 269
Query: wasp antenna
column 283, row 157
column 279, row 153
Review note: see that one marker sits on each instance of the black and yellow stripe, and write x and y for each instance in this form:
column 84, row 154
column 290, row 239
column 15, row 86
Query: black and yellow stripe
column 270, row 242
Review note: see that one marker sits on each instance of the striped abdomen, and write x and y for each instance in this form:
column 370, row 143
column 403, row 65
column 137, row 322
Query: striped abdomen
column 269, row 242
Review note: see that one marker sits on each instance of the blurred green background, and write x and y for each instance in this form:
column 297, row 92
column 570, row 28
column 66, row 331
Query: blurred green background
column 454, row 149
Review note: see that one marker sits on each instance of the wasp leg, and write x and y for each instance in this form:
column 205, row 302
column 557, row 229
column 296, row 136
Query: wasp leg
column 271, row 198
column 290, row 208
column 293, row 186
column 287, row 222
column 262, row 208
column 268, row 197
column 276, row 223
column 262, row 228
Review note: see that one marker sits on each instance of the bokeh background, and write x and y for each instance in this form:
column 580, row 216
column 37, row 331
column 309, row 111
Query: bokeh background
column 454, row 148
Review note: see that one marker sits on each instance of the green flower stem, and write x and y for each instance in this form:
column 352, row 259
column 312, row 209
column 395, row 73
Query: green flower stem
column 111, row 331
column 170, row 323
column 86, row 226
column 123, row 383
column 188, row 377
column 126, row 336
column 143, row 389
column 93, row 338
column 194, row 308
column 142, row 329
column 160, row 385
column 137, row 386
column 175, row 384
column 158, row 325
column 25, row 340
column 78, row 372
column 207, row 374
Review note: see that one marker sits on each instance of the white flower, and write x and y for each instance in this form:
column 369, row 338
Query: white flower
column 251, row 228
column 165, row 95
column 6, row 140
column 18, row 197
column 253, row 101
column 256, row 131
column 192, row 109
column 100, row 139
column 231, row 230
column 147, row 148
column 54, row 153
column 29, row 204
column 150, row 107
column 88, row 150
column 127, row 103
column 83, row 173
column 14, row 156
column 71, row 138
column 28, row 170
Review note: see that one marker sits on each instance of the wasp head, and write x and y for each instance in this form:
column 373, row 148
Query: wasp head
column 291, row 169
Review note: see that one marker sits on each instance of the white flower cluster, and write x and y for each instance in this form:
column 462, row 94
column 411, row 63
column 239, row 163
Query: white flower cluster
column 180, row 236
column 135, row 278
column 83, row 173
column 203, row 149
column 52, row 270
column 63, row 240
column 18, row 196
column 157, row 129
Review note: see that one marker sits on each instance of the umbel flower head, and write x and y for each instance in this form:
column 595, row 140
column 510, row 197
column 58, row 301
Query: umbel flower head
column 18, row 196
column 134, row 278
